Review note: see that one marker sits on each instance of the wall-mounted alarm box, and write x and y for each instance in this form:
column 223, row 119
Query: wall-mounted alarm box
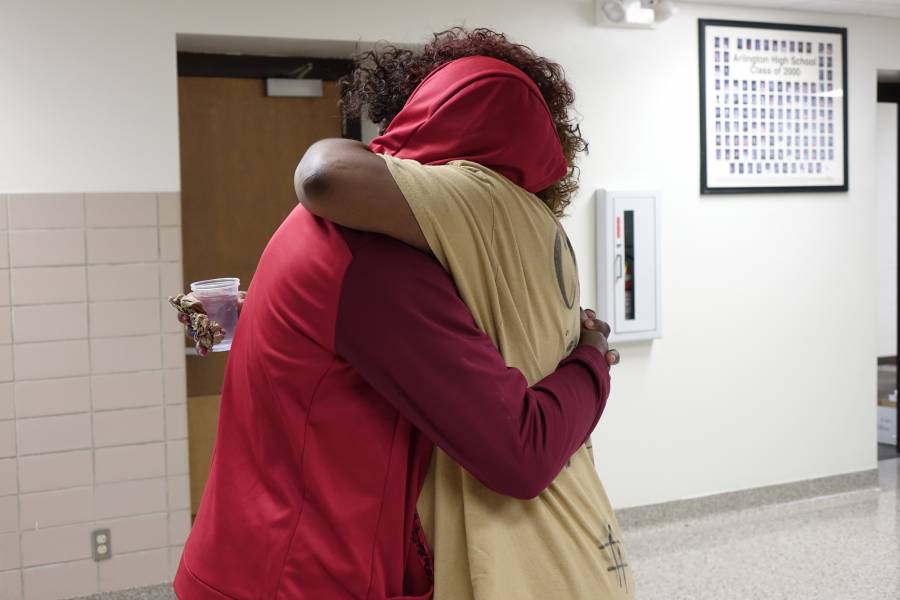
column 628, row 260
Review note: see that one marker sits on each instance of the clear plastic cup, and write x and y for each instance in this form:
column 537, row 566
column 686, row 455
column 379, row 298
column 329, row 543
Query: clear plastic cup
column 219, row 298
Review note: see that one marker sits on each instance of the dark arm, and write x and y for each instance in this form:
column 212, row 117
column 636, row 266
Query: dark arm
column 343, row 181
column 403, row 327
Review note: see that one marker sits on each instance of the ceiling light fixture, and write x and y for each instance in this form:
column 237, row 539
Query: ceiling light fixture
column 614, row 10
column 663, row 10
column 644, row 14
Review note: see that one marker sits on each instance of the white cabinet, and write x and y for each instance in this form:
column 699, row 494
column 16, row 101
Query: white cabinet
column 628, row 259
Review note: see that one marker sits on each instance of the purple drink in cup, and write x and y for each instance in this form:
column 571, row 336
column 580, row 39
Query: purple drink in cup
column 219, row 298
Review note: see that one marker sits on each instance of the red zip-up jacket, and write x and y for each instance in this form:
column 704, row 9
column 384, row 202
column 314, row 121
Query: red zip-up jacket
column 353, row 356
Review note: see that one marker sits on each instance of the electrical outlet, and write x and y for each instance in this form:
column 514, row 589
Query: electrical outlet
column 101, row 544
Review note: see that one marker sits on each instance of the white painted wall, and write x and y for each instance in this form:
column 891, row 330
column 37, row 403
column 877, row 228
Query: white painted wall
column 766, row 373
column 89, row 97
column 886, row 198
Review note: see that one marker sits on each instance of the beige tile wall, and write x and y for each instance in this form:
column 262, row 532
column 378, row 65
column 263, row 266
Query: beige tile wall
column 93, row 422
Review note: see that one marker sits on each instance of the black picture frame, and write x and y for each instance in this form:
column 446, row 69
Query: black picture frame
column 705, row 187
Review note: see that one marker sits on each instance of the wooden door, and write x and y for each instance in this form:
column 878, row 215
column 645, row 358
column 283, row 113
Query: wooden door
column 239, row 149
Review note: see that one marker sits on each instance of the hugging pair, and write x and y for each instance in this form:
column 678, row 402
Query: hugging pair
column 410, row 393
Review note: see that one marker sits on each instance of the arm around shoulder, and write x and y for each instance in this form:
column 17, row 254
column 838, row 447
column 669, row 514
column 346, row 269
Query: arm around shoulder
column 403, row 327
column 344, row 182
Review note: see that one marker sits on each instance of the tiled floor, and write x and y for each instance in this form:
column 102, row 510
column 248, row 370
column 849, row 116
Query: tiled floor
column 845, row 547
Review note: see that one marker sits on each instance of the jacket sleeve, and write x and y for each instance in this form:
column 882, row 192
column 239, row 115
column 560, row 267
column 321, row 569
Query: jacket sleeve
column 402, row 326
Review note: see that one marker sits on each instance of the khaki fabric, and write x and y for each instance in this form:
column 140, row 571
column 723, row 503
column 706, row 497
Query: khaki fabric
column 516, row 271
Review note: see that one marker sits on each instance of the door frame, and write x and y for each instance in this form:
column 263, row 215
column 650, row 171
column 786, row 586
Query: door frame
column 251, row 66
column 890, row 92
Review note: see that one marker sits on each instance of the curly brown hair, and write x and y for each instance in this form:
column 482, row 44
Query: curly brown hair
column 385, row 77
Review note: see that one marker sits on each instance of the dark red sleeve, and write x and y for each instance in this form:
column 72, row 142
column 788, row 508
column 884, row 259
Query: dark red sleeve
column 402, row 325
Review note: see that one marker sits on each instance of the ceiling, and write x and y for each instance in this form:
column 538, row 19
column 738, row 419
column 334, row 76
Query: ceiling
column 879, row 8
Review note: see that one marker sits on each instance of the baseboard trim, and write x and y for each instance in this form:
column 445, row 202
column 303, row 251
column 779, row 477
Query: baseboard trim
column 694, row 508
